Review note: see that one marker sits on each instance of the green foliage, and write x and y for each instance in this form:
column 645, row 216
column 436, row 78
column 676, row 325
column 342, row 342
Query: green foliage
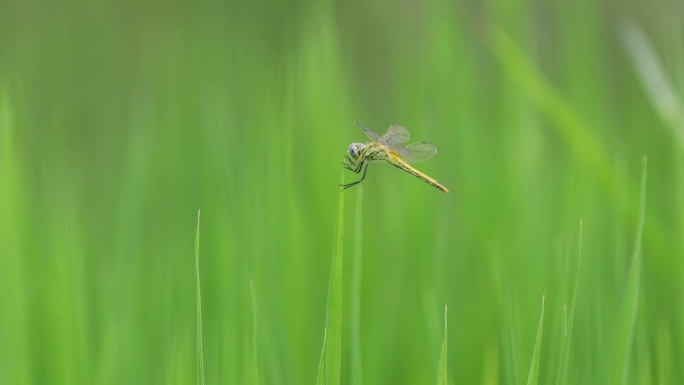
column 631, row 301
column 200, row 349
column 533, row 374
column 119, row 120
column 442, row 373
column 333, row 326
column 562, row 373
column 255, row 350
column 356, row 351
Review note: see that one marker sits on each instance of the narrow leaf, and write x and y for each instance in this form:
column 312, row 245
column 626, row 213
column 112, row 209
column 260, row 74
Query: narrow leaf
column 442, row 370
column 255, row 361
column 629, row 312
column 356, row 372
column 200, row 349
column 533, row 374
column 562, row 374
column 320, row 378
column 654, row 78
column 333, row 337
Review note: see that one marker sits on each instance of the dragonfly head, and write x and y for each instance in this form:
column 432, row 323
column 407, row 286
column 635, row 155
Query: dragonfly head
column 355, row 150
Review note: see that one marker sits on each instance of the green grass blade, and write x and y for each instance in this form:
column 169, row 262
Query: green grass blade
column 664, row 346
column 334, row 319
column 320, row 378
column 442, row 370
column 356, row 371
column 573, row 130
column 654, row 78
column 576, row 134
column 333, row 337
column 533, row 374
column 200, row 349
column 562, row 374
column 255, row 356
column 512, row 337
column 629, row 314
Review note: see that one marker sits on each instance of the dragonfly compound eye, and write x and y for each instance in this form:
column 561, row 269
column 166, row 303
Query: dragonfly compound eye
column 354, row 150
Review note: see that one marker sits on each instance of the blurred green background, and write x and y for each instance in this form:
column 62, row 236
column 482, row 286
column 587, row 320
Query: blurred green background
column 119, row 120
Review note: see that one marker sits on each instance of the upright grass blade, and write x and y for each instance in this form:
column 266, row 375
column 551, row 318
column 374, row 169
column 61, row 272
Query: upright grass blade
column 511, row 332
column 533, row 374
column 629, row 311
column 442, row 370
column 332, row 340
column 356, row 372
column 665, row 361
column 562, row 374
column 320, row 377
column 654, row 78
column 255, row 356
column 575, row 132
column 200, row 350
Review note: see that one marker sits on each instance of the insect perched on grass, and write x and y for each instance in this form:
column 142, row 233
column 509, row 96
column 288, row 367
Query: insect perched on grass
column 388, row 147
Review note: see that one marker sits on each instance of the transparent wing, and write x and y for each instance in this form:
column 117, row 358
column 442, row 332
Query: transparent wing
column 403, row 152
column 369, row 133
column 395, row 134
column 418, row 152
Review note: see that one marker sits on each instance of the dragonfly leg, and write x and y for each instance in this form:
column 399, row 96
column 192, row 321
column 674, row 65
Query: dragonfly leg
column 350, row 160
column 365, row 170
column 371, row 154
column 351, row 166
column 348, row 164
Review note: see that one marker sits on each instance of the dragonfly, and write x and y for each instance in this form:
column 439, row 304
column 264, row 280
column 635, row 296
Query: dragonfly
column 389, row 148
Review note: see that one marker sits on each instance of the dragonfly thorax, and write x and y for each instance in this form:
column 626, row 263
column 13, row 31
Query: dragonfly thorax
column 355, row 149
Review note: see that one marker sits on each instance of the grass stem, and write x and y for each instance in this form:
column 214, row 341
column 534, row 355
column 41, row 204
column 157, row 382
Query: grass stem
column 200, row 349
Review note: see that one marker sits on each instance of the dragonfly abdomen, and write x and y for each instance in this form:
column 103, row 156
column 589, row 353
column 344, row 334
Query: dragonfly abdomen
column 408, row 168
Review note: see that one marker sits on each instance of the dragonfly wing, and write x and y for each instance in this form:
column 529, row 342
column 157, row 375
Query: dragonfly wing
column 369, row 133
column 403, row 152
column 395, row 134
column 419, row 151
